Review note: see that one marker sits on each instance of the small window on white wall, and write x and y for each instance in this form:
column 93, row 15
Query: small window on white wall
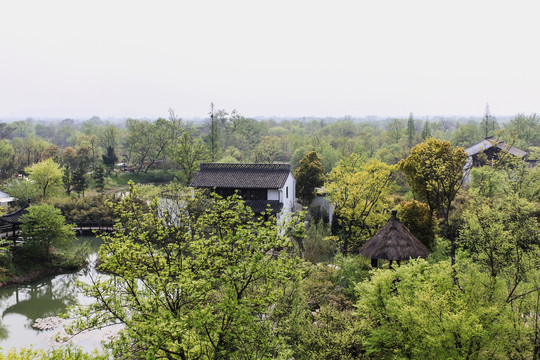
column 287, row 192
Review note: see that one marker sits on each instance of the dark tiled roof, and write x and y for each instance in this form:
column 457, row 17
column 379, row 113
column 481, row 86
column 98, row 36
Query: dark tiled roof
column 512, row 150
column 15, row 217
column 242, row 176
column 258, row 206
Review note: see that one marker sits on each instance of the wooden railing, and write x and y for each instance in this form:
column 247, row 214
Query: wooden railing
column 86, row 227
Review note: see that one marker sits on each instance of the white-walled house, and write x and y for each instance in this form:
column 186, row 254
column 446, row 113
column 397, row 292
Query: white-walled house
column 5, row 199
column 259, row 185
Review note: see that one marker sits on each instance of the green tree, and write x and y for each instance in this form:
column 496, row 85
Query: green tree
column 68, row 352
column 79, row 181
column 84, row 158
column 466, row 135
column 22, row 190
column 109, row 159
column 188, row 152
column 46, row 175
column 196, row 285
column 360, row 190
column 418, row 311
column 44, row 226
column 411, row 130
column 7, row 165
column 503, row 234
column 243, row 133
column 435, row 173
column 526, row 129
column 108, row 137
column 309, row 176
column 29, row 150
column 99, row 177
column 5, row 131
column 508, row 176
column 426, row 131
column 269, row 150
column 148, row 141
column 67, row 179
column 395, row 129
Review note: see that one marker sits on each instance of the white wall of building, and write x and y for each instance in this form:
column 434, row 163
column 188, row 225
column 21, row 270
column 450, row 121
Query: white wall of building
column 273, row 194
column 288, row 195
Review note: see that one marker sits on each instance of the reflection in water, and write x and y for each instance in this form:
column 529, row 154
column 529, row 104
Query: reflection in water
column 3, row 332
column 44, row 299
column 20, row 306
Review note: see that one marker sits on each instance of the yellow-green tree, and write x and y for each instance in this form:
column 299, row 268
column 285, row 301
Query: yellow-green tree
column 435, row 173
column 44, row 226
column 197, row 283
column 418, row 311
column 46, row 175
column 360, row 191
column 421, row 222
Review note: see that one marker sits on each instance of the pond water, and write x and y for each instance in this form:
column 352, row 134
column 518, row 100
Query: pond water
column 21, row 306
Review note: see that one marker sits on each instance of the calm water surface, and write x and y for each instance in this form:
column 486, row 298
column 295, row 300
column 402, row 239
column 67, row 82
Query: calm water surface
column 20, row 306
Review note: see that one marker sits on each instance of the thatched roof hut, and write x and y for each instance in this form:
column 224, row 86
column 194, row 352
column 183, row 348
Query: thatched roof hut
column 394, row 242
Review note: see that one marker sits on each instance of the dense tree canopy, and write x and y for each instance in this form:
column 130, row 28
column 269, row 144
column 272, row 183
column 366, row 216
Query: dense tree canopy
column 420, row 312
column 44, row 226
column 46, row 175
column 360, row 189
column 203, row 283
column 435, row 172
column 193, row 277
column 188, row 153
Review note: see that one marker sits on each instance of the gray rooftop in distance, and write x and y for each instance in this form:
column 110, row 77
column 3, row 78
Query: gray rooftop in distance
column 492, row 142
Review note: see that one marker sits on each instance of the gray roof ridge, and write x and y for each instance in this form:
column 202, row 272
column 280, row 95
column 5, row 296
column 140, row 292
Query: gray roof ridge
column 213, row 165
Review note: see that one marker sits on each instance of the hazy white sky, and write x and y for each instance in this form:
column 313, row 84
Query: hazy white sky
column 116, row 58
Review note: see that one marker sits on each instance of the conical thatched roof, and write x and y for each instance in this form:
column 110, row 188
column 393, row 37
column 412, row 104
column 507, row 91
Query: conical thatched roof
column 394, row 242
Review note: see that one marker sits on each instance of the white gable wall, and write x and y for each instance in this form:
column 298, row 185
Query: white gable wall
column 287, row 195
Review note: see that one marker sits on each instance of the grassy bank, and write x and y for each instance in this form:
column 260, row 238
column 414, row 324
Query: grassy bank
column 17, row 266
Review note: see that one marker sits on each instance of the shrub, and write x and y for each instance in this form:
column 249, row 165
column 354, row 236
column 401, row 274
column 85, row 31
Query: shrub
column 351, row 269
column 44, row 226
column 87, row 209
column 319, row 245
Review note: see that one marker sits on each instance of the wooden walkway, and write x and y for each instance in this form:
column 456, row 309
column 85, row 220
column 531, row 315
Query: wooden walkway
column 6, row 232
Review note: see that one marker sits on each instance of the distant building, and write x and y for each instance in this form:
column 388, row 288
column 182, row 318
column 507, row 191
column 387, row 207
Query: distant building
column 5, row 199
column 489, row 150
column 321, row 208
column 259, row 185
